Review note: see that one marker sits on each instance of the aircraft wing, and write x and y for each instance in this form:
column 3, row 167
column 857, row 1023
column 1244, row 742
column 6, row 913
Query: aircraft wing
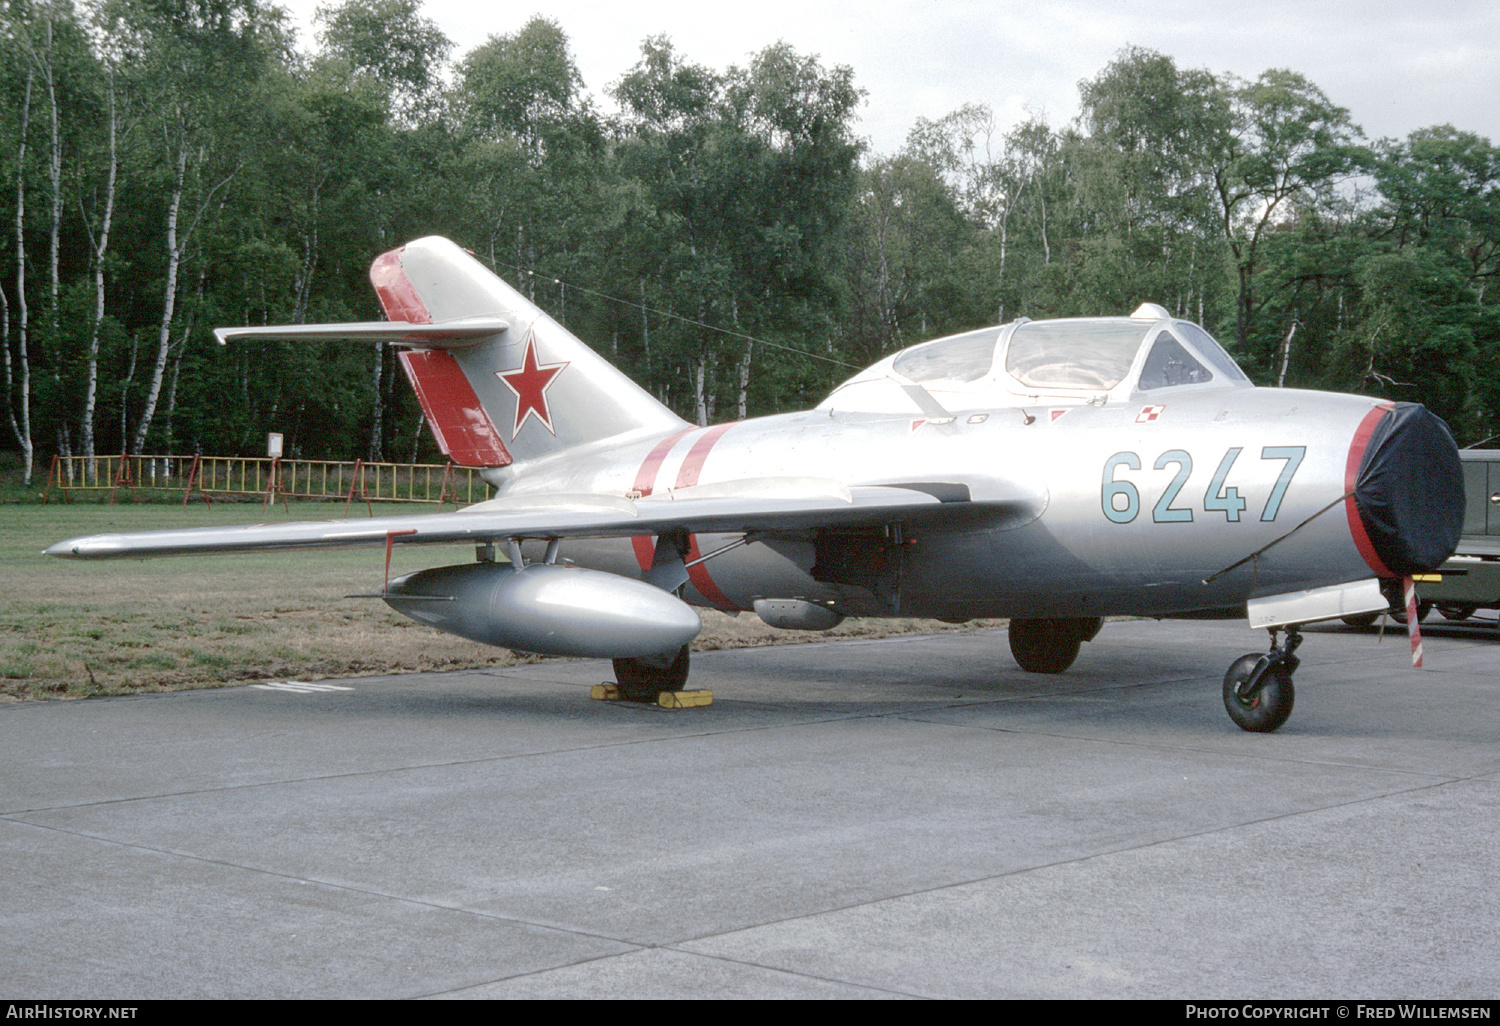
column 770, row 506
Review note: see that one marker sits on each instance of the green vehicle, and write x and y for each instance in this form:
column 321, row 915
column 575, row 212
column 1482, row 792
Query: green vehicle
column 1471, row 579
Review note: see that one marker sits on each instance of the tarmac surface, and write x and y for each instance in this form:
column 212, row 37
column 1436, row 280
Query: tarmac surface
column 912, row 817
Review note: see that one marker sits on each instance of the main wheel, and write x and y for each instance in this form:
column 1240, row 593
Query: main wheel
column 1457, row 612
column 643, row 678
column 1398, row 613
column 1048, row 646
column 1265, row 710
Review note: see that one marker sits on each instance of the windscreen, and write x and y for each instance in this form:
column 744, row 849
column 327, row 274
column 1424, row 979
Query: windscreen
column 1212, row 351
column 1169, row 363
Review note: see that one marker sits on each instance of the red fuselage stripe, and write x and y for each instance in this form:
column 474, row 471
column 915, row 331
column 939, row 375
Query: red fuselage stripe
column 687, row 476
column 645, row 480
column 692, row 463
column 1351, row 478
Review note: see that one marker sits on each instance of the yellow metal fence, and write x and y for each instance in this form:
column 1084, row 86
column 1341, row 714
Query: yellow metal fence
column 273, row 479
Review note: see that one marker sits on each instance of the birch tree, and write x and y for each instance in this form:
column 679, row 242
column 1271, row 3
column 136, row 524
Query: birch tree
column 204, row 60
column 18, row 356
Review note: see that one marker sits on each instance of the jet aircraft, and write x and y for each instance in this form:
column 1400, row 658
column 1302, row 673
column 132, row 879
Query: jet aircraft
column 1055, row 472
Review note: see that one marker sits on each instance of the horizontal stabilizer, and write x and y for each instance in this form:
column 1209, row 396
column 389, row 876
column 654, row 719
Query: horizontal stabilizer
column 452, row 335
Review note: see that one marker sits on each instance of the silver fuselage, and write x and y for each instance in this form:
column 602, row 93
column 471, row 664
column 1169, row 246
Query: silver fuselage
column 1139, row 501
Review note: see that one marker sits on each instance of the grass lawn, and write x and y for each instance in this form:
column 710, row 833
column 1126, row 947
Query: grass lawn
column 109, row 627
column 74, row 629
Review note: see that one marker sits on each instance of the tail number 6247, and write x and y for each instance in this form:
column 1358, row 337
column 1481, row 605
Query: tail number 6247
column 1121, row 498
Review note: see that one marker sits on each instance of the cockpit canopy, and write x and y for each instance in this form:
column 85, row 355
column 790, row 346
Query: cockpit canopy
column 1084, row 359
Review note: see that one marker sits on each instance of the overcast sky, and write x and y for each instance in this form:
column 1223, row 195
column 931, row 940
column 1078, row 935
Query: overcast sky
column 1396, row 65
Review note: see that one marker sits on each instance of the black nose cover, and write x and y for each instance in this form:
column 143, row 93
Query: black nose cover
column 1410, row 490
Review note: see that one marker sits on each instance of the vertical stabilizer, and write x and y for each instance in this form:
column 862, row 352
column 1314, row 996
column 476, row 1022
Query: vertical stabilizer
column 528, row 391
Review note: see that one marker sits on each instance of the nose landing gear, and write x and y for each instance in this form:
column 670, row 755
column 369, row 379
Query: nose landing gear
column 1258, row 691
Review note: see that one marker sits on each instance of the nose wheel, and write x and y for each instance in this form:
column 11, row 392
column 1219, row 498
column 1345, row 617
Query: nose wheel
column 1258, row 692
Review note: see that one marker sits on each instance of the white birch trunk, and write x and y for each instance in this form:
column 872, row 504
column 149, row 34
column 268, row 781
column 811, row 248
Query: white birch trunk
column 101, row 246
column 1286, row 356
column 375, row 421
column 169, row 306
column 54, row 174
column 700, row 405
column 21, row 425
column 744, row 392
column 1046, row 246
column 744, row 368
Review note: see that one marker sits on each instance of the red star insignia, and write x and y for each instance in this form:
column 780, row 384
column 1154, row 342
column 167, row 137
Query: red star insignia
column 530, row 383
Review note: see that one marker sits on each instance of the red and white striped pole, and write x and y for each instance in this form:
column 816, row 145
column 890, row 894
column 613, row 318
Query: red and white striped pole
column 1413, row 627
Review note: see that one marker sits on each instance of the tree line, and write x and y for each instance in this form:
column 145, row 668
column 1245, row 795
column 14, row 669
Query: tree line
column 168, row 166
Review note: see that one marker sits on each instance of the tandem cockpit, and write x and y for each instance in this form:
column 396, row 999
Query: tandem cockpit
column 1056, row 362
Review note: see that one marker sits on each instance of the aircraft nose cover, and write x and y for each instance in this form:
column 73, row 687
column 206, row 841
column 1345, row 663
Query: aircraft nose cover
column 1410, row 490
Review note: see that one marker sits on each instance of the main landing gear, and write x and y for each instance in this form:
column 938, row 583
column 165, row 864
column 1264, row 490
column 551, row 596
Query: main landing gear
column 1050, row 646
column 1258, row 689
column 644, row 678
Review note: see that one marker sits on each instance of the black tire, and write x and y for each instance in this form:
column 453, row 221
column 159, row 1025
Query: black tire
column 1398, row 613
column 643, row 678
column 1456, row 612
column 1089, row 627
column 1269, row 707
column 1362, row 620
column 1047, row 646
